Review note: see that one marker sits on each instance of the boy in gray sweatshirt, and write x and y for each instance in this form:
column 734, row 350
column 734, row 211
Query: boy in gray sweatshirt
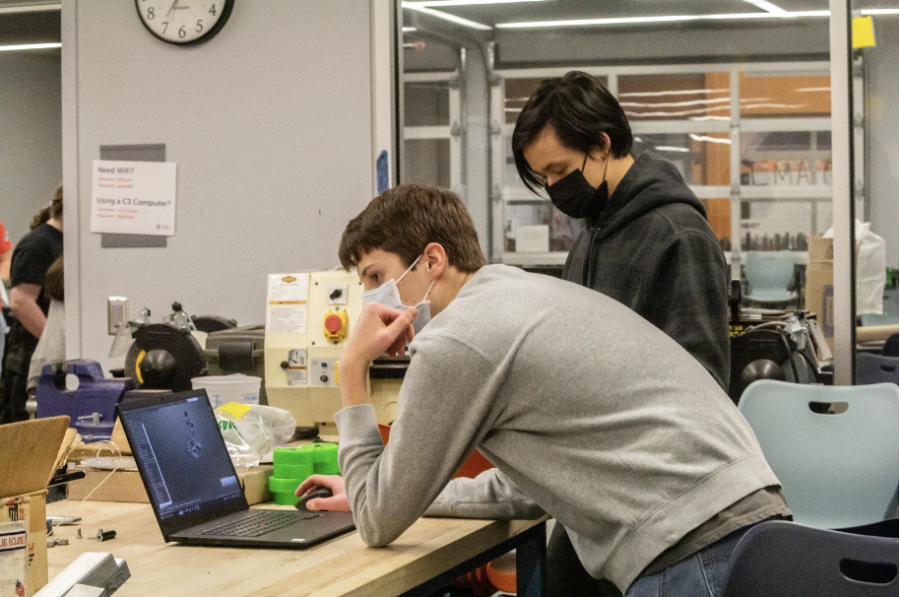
column 590, row 413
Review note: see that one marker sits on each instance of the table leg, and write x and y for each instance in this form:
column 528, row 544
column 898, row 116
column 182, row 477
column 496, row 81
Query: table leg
column 531, row 564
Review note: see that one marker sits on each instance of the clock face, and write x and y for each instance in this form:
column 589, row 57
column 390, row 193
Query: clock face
column 184, row 22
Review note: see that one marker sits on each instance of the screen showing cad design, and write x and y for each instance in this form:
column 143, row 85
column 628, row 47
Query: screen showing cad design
column 186, row 463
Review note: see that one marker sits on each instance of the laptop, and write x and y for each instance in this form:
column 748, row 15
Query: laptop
column 192, row 484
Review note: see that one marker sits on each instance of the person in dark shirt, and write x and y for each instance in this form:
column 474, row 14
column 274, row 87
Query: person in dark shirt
column 29, row 305
column 646, row 240
column 5, row 259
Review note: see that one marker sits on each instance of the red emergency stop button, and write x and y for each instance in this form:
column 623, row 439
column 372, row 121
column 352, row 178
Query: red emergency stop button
column 336, row 326
column 333, row 323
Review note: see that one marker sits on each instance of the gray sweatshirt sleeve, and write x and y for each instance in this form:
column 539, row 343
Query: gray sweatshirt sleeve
column 489, row 495
column 446, row 406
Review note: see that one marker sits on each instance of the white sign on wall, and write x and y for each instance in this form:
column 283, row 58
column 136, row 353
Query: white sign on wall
column 287, row 296
column 133, row 198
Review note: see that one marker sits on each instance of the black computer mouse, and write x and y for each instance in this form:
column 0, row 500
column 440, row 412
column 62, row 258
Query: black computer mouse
column 318, row 492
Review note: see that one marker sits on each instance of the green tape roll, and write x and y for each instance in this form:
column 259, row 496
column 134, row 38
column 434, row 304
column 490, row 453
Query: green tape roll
column 295, row 455
column 321, row 452
column 293, row 471
column 279, row 485
column 328, row 469
column 286, row 499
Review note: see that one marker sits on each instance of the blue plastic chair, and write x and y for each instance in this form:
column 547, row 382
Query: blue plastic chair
column 874, row 368
column 769, row 273
column 785, row 558
column 890, row 311
column 837, row 470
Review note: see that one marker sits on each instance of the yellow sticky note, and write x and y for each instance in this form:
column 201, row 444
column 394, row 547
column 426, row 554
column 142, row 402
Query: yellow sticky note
column 235, row 409
column 863, row 33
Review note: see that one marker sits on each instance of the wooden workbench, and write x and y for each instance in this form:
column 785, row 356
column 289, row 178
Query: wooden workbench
column 423, row 559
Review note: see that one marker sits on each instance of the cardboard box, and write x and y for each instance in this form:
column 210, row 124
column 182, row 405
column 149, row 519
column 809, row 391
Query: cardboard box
column 126, row 486
column 28, row 458
column 820, row 284
column 121, row 486
column 30, row 509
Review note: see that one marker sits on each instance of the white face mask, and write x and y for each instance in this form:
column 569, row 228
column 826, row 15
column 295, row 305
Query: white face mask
column 389, row 295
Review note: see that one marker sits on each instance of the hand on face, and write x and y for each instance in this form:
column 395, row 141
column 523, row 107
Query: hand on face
column 380, row 330
column 338, row 502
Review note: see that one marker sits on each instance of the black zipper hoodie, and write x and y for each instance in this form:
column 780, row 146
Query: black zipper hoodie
column 652, row 249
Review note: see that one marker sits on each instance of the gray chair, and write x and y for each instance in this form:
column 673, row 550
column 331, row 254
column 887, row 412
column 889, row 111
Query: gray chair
column 785, row 558
column 873, row 368
column 837, row 470
column 769, row 273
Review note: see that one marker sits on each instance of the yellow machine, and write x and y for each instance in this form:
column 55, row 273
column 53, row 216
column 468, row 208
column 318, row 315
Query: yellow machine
column 308, row 319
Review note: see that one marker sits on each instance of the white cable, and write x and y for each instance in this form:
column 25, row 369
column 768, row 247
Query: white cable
column 118, row 463
column 768, row 324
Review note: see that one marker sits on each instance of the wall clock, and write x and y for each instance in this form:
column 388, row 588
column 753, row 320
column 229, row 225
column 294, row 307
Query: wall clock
column 184, row 22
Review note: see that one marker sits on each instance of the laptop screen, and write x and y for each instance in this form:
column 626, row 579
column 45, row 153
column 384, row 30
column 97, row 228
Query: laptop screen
column 183, row 460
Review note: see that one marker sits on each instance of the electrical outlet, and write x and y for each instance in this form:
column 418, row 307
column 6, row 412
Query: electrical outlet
column 116, row 313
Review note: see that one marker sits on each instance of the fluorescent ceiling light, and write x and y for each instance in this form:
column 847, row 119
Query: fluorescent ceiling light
column 409, row 29
column 676, row 149
column 699, row 102
column 703, row 111
column 766, row 6
column 446, row 16
column 673, row 92
column 29, row 47
column 588, row 22
column 880, row 11
column 438, row 3
column 710, row 139
column 661, row 19
column 768, row 105
column 31, row 8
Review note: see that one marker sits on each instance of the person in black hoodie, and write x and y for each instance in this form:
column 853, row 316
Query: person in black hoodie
column 646, row 240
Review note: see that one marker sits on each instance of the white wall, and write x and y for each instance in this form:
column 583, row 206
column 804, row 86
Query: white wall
column 30, row 134
column 271, row 126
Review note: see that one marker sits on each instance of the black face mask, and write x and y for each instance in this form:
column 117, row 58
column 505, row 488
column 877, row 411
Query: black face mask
column 574, row 196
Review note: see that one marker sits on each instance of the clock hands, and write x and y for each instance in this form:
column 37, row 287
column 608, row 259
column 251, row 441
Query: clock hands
column 176, row 7
column 186, row 28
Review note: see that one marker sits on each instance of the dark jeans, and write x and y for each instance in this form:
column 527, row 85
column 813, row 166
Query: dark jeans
column 701, row 575
column 565, row 574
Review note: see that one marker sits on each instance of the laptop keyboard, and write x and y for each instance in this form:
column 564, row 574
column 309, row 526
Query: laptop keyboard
column 259, row 522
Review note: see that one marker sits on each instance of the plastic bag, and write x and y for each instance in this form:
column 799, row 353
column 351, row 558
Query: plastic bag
column 870, row 269
column 251, row 431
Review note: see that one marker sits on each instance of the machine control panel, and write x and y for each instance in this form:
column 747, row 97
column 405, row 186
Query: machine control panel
column 323, row 372
column 309, row 317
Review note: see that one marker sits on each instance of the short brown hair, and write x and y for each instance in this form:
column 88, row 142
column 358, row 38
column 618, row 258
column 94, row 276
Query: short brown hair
column 403, row 220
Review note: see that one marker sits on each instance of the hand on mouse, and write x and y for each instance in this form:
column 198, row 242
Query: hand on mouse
column 336, row 503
